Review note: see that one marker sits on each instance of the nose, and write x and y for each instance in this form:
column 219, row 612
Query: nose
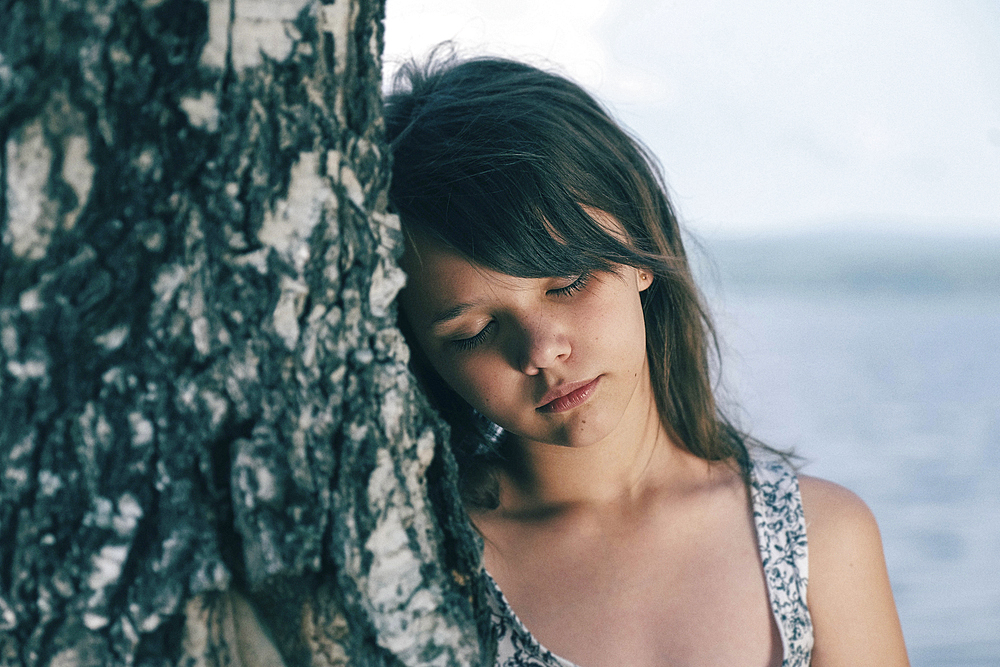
column 543, row 344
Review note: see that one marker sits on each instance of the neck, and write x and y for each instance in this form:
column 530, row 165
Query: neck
column 543, row 479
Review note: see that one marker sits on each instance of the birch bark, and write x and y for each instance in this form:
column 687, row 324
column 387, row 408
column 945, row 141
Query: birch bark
column 211, row 449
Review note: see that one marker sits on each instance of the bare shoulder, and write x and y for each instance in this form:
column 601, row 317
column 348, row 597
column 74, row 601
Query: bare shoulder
column 831, row 507
column 850, row 600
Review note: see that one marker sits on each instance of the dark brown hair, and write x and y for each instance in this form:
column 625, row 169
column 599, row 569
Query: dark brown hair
column 499, row 160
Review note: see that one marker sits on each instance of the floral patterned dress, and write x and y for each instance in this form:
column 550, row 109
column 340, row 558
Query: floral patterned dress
column 781, row 540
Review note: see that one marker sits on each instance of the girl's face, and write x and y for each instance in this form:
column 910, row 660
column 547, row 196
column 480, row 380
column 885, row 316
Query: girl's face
column 557, row 360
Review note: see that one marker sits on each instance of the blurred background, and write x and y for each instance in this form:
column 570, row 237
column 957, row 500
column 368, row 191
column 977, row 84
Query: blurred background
column 837, row 166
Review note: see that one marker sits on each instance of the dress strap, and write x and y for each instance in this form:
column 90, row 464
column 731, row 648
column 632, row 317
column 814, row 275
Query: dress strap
column 516, row 646
column 784, row 553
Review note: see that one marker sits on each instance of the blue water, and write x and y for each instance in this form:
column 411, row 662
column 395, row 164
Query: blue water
column 882, row 369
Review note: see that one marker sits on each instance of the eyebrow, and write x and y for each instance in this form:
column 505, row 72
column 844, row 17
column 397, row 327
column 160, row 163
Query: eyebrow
column 450, row 313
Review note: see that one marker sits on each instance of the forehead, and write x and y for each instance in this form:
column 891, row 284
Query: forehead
column 439, row 278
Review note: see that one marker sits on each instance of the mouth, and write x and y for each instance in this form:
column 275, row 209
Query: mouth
column 567, row 396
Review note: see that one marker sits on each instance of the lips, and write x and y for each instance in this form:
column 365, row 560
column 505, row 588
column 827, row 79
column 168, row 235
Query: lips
column 568, row 395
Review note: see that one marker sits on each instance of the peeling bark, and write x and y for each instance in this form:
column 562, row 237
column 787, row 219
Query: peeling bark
column 212, row 450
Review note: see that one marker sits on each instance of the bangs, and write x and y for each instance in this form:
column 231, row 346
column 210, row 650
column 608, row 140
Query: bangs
column 517, row 226
column 505, row 174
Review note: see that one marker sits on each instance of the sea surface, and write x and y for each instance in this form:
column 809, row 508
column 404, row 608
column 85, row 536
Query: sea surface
column 877, row 359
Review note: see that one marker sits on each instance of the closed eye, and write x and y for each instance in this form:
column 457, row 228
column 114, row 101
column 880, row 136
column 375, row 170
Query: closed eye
column 465, row 344
column 472, row 342
column 574, row 286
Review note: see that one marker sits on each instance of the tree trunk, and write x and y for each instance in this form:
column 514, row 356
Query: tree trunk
column 212, row 450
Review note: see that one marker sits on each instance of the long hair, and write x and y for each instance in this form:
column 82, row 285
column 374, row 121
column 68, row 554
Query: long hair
column 501, row 162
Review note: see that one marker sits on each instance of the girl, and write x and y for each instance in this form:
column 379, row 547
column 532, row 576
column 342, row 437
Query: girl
column 555, row 324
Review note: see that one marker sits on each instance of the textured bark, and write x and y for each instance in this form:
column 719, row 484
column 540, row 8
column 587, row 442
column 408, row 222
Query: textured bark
column 212, row 450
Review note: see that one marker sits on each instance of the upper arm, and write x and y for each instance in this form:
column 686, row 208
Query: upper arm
column 854, row 616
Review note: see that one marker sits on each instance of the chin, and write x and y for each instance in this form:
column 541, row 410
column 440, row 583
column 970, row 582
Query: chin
column 586, row 431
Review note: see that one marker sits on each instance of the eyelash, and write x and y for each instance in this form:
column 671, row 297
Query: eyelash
column 573, row 287
column 466, row 344
column 472, row 342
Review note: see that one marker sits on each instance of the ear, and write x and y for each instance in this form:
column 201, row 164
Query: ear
column 644, row 278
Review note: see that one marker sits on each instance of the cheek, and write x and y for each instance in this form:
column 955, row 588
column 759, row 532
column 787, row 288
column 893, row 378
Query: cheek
column 619, row 325
column 623, row 339
column 475, row 379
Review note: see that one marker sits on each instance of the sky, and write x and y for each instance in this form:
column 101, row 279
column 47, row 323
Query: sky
column 772, row 116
